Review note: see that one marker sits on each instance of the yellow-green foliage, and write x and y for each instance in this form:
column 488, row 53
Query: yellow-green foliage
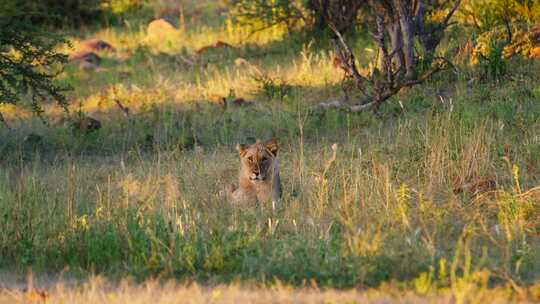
column 486, row 14
column 524, row 42
column 506, row 28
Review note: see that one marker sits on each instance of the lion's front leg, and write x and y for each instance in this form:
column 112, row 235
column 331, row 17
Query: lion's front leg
column 227, row 192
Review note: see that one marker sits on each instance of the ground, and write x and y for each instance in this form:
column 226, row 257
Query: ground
column 435, row 198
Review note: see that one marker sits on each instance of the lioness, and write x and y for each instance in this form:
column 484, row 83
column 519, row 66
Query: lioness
column 259, row 174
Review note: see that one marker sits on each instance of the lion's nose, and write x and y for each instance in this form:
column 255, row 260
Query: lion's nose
column 256, row 175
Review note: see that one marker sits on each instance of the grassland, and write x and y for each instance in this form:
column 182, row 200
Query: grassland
column 434, row 198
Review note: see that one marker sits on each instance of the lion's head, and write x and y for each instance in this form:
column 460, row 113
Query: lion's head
column 258, row 159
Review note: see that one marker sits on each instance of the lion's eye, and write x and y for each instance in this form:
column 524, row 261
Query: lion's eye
column 250, row 159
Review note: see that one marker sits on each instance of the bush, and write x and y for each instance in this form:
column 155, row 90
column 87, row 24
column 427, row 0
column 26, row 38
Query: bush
column 314, row 14
column 487, row 14
column 28, row 63
column 262, row 14
column 59, row 13
column 69, row 13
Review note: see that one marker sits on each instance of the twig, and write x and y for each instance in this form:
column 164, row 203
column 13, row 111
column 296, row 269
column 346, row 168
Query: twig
column 341, row 105
column 347, row 64
column 224, row 101
column 125, row 110
column 376, row 101
column 187, row 61
column 387, row 59
column 448, row 62
column 4, row 122
column 445, row 23
column 508, row 30
column 381, row 91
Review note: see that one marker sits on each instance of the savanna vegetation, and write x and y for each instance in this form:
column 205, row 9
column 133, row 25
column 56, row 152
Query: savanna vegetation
column 409, row 153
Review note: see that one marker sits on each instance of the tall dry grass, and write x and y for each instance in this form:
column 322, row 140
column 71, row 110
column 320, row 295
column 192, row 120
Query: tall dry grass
column 436, row 194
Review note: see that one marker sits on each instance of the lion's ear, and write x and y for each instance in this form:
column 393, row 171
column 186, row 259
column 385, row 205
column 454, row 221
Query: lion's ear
column 242, row 149
column 272, row 146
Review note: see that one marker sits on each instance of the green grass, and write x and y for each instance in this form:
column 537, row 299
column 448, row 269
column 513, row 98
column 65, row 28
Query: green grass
column 397, row 205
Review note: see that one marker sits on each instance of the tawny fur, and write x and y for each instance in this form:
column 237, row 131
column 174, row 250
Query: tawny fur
column 258, row 179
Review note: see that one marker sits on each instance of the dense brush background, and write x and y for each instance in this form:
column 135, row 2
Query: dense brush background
column 436, row 193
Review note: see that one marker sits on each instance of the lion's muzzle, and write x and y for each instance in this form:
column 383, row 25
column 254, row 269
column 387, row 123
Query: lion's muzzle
column 257, row 176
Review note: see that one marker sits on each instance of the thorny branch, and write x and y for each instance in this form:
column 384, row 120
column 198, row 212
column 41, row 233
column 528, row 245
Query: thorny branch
column 397, row 68
column 346, row 59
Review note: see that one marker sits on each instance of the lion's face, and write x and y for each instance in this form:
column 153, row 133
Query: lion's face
column 257, row 159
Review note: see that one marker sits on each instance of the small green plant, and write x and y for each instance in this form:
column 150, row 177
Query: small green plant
column 273, row 88
column 262, row 14
column 424, row 283
column 492, row 64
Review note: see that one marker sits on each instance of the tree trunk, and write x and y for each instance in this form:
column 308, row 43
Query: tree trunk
column 396, row 41
column 340, row 13
column 427, row 36
column 385, row 64
column 407, row 32
column 321, row 10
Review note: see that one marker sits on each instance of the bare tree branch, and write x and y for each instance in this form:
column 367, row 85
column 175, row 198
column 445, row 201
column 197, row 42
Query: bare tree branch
column 508, row 30
column 367, row 104
column 445, row 21
column 386, row 59
column 347, row 60
column 124, row 109
column 339, row 104
column 398, row 24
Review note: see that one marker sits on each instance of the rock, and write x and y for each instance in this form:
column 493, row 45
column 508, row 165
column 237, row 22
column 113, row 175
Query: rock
column 241, row 102
column 215, row 98
column 188, row 142
column 85, row 59
column 217, row 45
column 33, row 141
column 32, row 138
column 240, row 61
column 85, row 56
column 160, row 28
column 235, row 102
column 123, row 56
column 35, row 295
column 86, row 125
column 477, row 187
column 61, row 121
column 148, row 141
column 535, row 52
column 84, row 65
column 124, row 74
column 96, row 45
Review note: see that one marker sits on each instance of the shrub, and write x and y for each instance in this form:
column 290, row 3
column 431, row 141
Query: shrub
column 315, row 14
column 262, row 14
column 70, row 13
column 487, row 14
column 59, row 13
column 28, row 63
